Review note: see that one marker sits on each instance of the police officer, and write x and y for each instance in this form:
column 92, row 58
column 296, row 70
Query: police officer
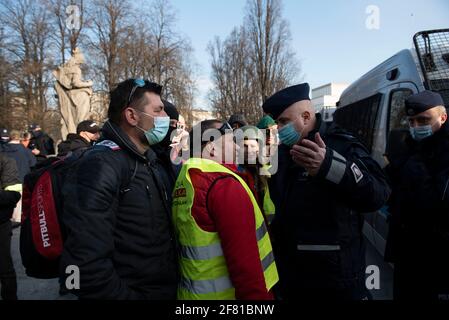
column 418, row 240
column 325, row 180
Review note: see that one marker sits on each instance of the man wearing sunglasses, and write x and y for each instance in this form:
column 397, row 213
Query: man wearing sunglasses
column 117, row 204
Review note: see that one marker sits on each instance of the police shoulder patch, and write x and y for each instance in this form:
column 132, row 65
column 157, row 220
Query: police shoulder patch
column 358, row 175
column 109, row 144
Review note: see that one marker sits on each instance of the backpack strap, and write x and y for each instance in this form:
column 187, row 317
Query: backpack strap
column 129, row 171
column 128, row 165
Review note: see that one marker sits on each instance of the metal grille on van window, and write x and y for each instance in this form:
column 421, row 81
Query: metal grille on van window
column 432, row 48
column 360, row 118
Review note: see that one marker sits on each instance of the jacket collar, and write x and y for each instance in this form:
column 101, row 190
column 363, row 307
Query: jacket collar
column 114, row 133
column 76, row 137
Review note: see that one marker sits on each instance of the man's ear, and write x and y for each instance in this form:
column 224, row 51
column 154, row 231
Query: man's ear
column 306, row 116
column 130, row 116
column 444, row 117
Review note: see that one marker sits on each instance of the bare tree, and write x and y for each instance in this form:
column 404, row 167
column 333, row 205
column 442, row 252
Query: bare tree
column 233, row 75
column 67, row 36
column 26, row 24
column 109, row 25
column 270, row 37
column 168, row 60
column 253, row 62
column 5, row 69
column 130, row 45
column 121, row 39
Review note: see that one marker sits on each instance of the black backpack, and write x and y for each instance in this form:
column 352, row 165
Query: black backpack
column 42, row 233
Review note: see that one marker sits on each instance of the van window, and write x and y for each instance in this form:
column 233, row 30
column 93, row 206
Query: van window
column 359, row 118
column 432, row 49
column 398, row 118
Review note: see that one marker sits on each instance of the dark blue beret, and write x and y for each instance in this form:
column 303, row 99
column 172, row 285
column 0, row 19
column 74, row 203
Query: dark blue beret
column 422, row 101
column 277, row 103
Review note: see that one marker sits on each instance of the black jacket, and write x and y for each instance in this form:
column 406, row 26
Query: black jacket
column 418, row 240
column 8, row 201
column 318, row 222
column 118, row 221
column 73, row 144
column 8, row 176
column 24, row 158
column 43, row 142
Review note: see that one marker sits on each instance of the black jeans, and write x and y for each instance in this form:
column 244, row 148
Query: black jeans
column 8, row 279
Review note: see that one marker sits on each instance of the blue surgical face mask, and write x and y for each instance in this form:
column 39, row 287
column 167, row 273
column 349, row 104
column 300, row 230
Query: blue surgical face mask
column 422, row 132
column 159, row 131
column 288, row 135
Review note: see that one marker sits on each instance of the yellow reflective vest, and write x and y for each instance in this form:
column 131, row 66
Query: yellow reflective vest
column 204, row 273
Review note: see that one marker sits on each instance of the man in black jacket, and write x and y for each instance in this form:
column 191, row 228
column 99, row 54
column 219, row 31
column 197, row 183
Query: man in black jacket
column 418, row 241
column 117, row 204
column 87, row 132
column 325, row 181
column 8, row 200
column 42, row 142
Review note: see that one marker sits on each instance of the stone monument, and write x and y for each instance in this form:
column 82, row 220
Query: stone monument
column 74, row 94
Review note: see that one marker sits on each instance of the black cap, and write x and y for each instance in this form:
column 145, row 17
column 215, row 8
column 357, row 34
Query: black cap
column 422, row 101
column 277, row 103
column 4, row 133
column 34, row 126
column 170, row 109
column 89, row 126
column 237, row 118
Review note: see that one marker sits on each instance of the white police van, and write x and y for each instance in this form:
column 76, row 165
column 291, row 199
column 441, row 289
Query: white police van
column 373, row 106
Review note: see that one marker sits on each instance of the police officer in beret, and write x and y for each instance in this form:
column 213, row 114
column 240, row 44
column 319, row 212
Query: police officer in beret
column 325, row 180
column 418, row 241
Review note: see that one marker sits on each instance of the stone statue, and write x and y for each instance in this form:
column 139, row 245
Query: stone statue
column 73, row 93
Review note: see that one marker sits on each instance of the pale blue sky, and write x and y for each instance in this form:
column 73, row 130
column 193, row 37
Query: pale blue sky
column 329, row 37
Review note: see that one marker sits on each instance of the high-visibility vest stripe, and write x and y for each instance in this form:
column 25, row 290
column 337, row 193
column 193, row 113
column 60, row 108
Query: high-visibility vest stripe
column 204, row 272
column 207, row 286
column 261, row 231
column 267, row 261
column 202, row 253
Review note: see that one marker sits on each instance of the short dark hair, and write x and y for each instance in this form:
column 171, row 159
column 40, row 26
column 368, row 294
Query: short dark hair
column 120, row 94
column 203, row 126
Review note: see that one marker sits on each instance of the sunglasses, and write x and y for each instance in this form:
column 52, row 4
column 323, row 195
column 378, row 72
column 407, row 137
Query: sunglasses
column 140, row 83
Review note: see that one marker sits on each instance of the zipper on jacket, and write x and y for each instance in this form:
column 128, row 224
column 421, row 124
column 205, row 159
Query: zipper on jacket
column 149, row 192
column 445, row 189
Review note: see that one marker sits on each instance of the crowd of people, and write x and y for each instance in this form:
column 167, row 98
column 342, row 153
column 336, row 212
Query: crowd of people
column 233, row 210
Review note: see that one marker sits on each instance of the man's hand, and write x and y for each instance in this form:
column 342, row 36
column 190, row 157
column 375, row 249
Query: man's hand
column 310, row 155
